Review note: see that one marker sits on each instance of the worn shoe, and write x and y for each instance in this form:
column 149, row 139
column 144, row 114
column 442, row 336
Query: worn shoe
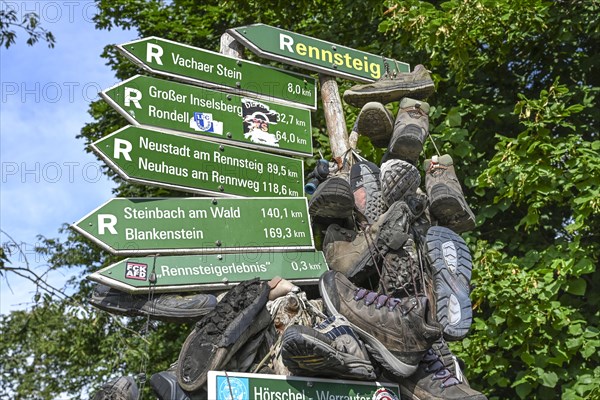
column 164, row 306
column 358, row 259
column 165, row 386
column 397, row 332
column 450, row 263
column 410, row 130
column 376, row 122
column 447, row 202
column 239, row 316
column 368, row 200
column 331, row 349
column 417, row 84
column 401, row 272
column 398, row 179
column 336, row 233
column 332, row 199
column 123, row 388
column 433, row 380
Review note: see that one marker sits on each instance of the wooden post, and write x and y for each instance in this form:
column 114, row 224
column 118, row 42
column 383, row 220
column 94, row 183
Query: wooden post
column 334, row 119
column 231, row 47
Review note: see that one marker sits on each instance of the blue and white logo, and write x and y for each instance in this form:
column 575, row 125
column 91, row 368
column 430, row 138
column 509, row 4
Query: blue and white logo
column 204, row 122
column 232, row 388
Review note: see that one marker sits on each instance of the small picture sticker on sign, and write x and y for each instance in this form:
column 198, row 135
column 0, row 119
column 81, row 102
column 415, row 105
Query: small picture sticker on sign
column 137, row 271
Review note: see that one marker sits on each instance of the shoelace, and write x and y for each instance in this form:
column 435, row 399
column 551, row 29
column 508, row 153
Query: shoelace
column 381, row 300
column 440, row 372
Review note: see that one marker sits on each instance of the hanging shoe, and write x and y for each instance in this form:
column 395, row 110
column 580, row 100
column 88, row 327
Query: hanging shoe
column 332, row 199
column 398, row 179
column 410, row 131
column 366, row 188
column 123, row 388
column 376, row 122
column 392, row 87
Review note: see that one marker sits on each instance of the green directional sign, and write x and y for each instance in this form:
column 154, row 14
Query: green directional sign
column 215, row 116
column 214, row 70
column 223, row 385
column 315, row 54
column 192, row 165
column 167, row 226
column 209, row 272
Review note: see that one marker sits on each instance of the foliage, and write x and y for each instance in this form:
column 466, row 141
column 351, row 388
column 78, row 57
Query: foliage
column 30, row 23
column 515, row 106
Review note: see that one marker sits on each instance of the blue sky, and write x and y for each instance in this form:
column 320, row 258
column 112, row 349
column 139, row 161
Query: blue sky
column 47, row 178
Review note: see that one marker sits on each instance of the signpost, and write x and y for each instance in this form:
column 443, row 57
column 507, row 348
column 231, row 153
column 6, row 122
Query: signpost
column 314, row 54
column 243, row 386
column 216, row 116
column 214, row 70
column 147, row 226
column 209, row 272
column 192, row 165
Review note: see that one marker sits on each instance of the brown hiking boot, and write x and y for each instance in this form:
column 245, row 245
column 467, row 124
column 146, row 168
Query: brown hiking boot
column 376, row 122
column 357, row 259
column 410, row 131
column 392, row 87
column 447, row 202
column 397, row 332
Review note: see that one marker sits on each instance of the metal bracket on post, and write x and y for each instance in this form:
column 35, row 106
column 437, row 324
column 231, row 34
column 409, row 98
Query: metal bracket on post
column 334, row 119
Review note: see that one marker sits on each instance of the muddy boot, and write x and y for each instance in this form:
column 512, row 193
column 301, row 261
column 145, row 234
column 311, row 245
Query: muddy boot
column 447, row 202
column 376, row 122
column 410, row 131
column 366, row 187
column 332, row 199
column 398, row 179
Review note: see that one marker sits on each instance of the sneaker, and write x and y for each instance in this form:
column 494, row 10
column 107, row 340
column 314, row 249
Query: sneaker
column 331, row 349
column 332, row 199
column 368, row 201
column 401, row 272
column 165, row 386
column 398, row 179
column 239, row 316
column 357, row 259
column 433, row 380
column 164, row 307
column 447, row 202
column 336, row 233
column 376, row 122
column 417, row 84
column 410, row 131
column 450, row 263
column 123, row 388
column 397, row 332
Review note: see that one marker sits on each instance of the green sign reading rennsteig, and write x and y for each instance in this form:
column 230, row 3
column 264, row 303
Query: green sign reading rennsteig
column 217, row 71
column 146, row 226
column 244, row 386
column 315, row 54
column 198, row 166
column 209, row 271
column 216, row 116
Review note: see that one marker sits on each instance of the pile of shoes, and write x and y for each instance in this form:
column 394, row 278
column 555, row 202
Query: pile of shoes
column 397, row 291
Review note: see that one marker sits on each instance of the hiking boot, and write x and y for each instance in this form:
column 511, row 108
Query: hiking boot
column 123, row 388
column 397, row 332
column 450, row 264
column 410, row 131
column 398, row 179
column 433, row 380
column 165, row 386
column 216, row 338
column 332, row 199
column 336, row 233
column 417, row 84
column 401, row 274
column 358, row 259
column 376, row 122
column 447, row 202
column 331, row 349
column 368, row 201
column 164, row 307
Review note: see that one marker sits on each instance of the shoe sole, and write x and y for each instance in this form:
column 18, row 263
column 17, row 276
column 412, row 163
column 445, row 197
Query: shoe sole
column 221, row 333
column 379, row 352
column 451, row 265
column 165, row 386
column 123, row 388
column 365, row 183
column 332, row 200
column 375, row 122
column 406, row 144
column 305, row 353
column 384, row 96
column 449, row 211
column 399, row 180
